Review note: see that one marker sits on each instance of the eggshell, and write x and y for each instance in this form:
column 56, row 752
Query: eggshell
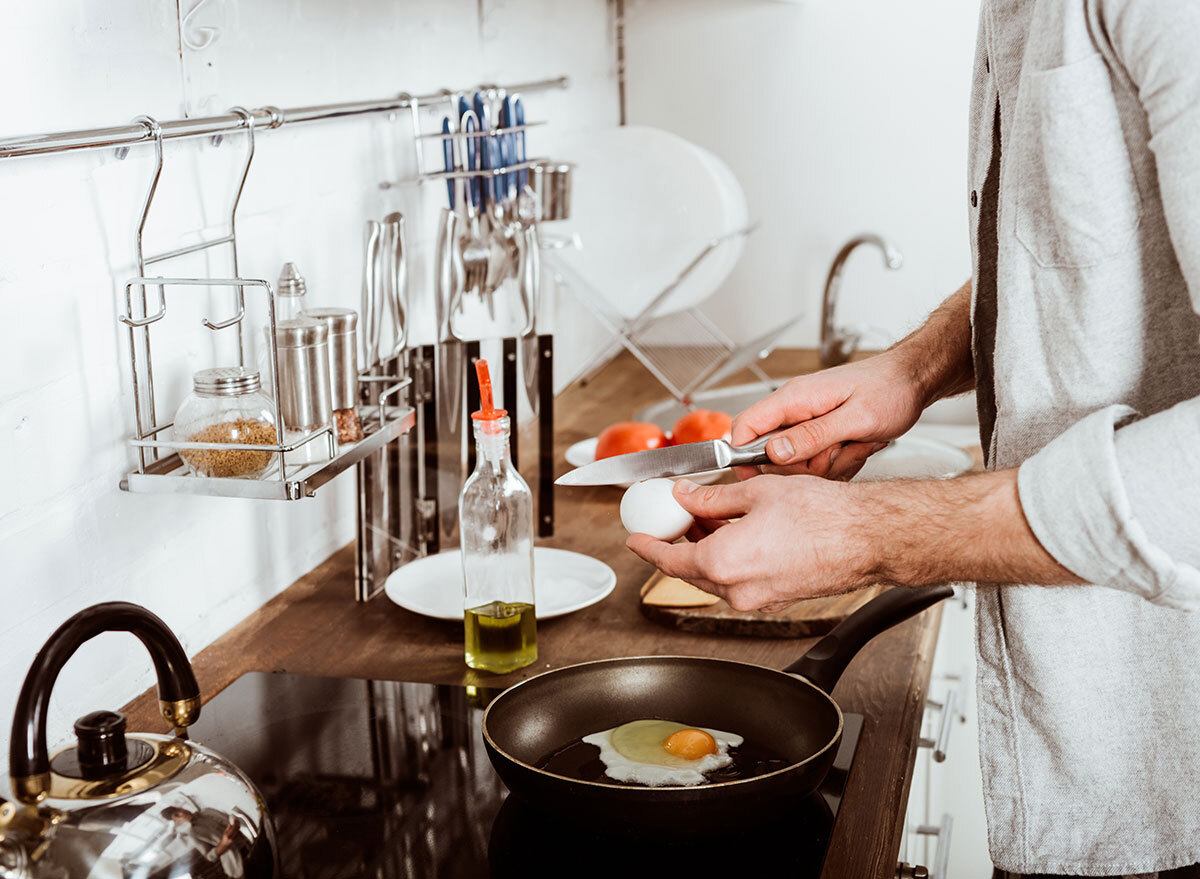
column 649, row 507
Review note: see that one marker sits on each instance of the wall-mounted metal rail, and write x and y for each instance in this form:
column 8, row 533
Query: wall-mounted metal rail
column 263, row 118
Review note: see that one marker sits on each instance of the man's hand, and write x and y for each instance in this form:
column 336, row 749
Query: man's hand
column 837, row 418
column 793, row 538
column 768, row 542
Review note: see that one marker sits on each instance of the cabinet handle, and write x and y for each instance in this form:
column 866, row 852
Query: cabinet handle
column 910, row 871
column 942, row 742
column 941, row 856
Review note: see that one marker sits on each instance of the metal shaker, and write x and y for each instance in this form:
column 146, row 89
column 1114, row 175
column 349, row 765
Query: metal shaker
column 342, row 325
column 304, row 389
column 552, row 183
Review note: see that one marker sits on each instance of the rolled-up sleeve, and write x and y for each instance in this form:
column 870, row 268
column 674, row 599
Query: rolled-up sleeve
column 1116, row 499
column 1116, row 502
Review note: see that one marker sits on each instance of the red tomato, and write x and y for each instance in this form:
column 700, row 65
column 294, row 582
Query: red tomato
column 629, row 436
column 700, row 425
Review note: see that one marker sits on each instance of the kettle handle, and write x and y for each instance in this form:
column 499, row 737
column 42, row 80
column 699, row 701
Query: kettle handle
column 178, row 693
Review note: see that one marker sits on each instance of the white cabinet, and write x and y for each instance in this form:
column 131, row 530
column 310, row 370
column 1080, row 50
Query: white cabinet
column 945, row 828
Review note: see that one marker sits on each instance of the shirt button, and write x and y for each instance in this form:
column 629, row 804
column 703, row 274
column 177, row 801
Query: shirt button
column 974, row 198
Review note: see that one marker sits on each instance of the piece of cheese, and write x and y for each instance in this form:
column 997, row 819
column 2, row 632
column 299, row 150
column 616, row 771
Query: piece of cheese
column 669, row 592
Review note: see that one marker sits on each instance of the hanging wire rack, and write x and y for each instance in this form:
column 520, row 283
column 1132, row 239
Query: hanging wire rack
column 159, row 468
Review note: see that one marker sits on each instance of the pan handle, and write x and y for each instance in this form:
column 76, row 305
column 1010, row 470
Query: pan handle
column 825, row 661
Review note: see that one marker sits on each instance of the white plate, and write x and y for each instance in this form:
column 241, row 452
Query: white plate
column 645, row 202
column 584, row 452
column 563, row 582
column 912, row 457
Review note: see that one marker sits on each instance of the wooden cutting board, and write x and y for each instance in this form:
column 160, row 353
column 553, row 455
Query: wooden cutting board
column 804, row 619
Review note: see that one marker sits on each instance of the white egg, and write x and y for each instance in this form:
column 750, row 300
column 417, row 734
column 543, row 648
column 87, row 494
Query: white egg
column 649, row 507
column 634, row 752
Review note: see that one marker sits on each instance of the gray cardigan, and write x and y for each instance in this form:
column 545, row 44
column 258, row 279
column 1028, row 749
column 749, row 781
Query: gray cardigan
column 1085, row 206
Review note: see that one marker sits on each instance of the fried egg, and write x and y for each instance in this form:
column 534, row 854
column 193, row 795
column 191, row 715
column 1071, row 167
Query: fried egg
column 660, row 753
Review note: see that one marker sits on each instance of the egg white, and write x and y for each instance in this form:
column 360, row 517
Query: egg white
column 641, row 758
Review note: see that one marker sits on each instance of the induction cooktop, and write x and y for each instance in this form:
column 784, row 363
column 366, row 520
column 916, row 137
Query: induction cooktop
column 390, row 779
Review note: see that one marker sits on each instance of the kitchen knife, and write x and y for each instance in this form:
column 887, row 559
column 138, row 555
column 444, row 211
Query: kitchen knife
column 494, row 160
column 505, row 182
column 518, row 118
column 487, row 150
column 682, row 460
column 474, row 184
column 448, row 159
column 465, row 113
column 508, row 146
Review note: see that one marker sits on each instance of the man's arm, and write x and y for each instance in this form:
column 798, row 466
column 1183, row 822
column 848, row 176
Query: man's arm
column 771, row 541
column 939, row 352
column 768, row 542
column 839, row 416
column 971, row 528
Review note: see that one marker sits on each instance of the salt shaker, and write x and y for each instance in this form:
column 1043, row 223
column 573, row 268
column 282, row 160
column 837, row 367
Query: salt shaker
column 302, row 345
column 342, row 325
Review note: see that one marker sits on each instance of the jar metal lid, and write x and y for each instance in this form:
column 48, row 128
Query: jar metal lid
column 226, row 381
column 339, row 320
column 300, row 332
column 291, row 283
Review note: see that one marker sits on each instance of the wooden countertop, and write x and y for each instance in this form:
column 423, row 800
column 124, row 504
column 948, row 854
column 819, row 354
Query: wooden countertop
column 315, row 627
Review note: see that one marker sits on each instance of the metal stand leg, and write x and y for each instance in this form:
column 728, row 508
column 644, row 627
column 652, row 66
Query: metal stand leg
column 546, row 435
column 511, row 402
column 472, row 402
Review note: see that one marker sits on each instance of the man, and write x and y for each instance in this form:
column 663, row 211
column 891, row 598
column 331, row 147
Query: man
column 1079, row 333
column 204, row 843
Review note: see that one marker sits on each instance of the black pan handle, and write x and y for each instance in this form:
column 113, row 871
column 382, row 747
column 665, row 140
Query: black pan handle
column 825, row 661
column 178, row 693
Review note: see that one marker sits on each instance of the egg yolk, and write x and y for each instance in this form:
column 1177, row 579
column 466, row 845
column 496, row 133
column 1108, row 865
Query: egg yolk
column 690, row 744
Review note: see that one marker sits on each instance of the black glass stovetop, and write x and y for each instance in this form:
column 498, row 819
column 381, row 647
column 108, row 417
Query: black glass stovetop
column 390, row 779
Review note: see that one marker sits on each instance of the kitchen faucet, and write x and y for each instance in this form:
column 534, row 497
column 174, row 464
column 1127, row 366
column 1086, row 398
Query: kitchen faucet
column 837, row 344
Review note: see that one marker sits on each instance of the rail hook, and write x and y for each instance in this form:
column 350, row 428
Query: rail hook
column 248, row 119
column 158, row 315
column 277, row 117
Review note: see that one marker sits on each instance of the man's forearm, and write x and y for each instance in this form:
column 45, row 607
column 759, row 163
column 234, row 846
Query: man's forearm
column 967, row 529
column 939, row 353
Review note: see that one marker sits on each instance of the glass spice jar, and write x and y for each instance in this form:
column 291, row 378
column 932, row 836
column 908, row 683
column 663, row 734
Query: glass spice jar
column 227, row 405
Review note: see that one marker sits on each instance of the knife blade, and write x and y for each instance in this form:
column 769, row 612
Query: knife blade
column 684, row 460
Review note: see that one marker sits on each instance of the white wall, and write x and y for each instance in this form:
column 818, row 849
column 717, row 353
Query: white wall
column 68, row 536
column 838, row 116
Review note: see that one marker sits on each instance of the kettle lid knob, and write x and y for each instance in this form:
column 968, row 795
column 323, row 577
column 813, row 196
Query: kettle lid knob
column 100, row 744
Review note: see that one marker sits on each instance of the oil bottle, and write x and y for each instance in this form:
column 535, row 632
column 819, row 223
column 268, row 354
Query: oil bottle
column 495, row 518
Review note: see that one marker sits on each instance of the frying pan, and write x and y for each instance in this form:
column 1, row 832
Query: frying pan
column 789, row 712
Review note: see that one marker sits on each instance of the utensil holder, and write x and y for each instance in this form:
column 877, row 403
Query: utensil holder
column 551, row 182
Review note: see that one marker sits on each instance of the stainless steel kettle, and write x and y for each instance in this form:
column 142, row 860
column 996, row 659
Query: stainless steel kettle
column 125, row 805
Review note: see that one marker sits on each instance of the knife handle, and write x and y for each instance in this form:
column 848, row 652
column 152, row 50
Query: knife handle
column 754, row 452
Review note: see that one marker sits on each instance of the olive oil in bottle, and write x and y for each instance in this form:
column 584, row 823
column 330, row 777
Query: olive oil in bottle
column 495, row 517
column 501, row 637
